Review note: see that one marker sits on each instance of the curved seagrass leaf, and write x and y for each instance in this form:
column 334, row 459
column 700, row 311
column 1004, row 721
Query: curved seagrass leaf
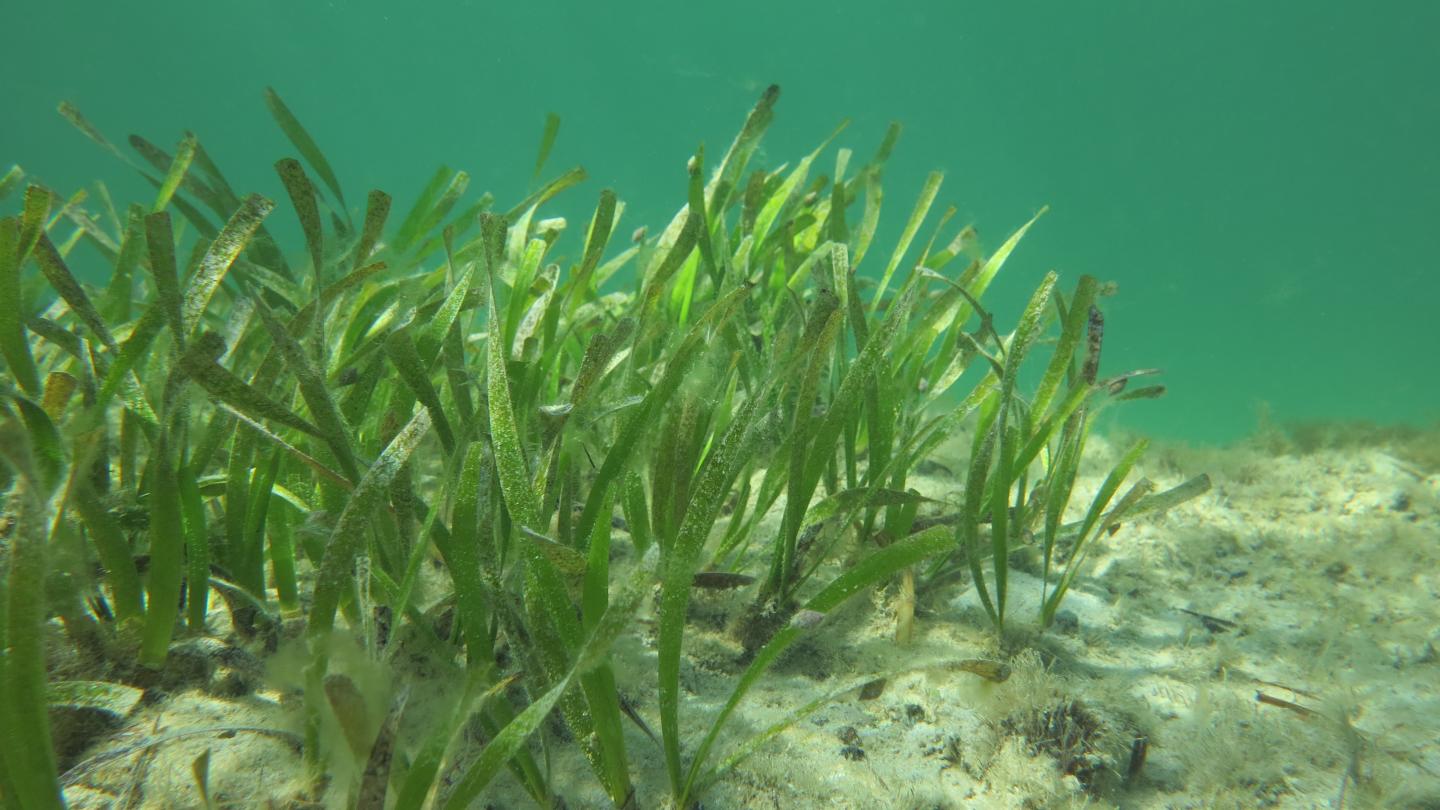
column 912, row 225
column 13, row 344
column 782, row 203
column 302, row 197
column 680, row 564
column 70, row 113
column 865, row 574
column 427, row 760
column 111, row 544
column 167, row 544
column 220, row 256
column 184, row 155
column 414, row 228
column 25, row 745
column 377, row 209
column 510, row 465
column 199, row 363
column 1077, row 312
column 298, row 136
column 459, row 224
column 1097, row 518
column 225, row 196
column 869, row 177
column 977, row 282
column 160, row 239
column 849, row 499
column 215, row 193
column 1007, row 471
column 11, row 181
column 32, row 221
column 78, row 120
column 118, row 292
column 177, row 169
column 503, row 746
column 431, row 339
column 678, row 241
column 44, row 457
column 304, row 458
column 638, row 420
column 409, row 229
column 71, row 343
column 817, row 345
column 66, row 285
column 547, row 142
column 401, row 351
column 759, row 739
column 697, row 208
column 119, row 376
column 467, row 554
column 314, row 390
column 348, row 537
column 597, row 360
column 592, row 654
column 524, row 344
column 727, row 176
column 596, row 238
column 538, row 197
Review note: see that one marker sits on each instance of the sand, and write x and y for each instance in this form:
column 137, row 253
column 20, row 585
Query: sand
column 1272, row 643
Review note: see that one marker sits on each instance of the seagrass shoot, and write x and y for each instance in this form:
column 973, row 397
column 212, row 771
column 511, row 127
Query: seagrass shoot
column 432, row 470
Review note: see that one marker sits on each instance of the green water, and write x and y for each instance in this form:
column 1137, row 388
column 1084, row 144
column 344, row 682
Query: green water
column 1261, row 179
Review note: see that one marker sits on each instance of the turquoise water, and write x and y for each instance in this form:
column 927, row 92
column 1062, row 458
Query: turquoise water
column 1262, row 180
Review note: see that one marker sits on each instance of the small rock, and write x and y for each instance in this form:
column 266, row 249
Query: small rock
column 1067, row 622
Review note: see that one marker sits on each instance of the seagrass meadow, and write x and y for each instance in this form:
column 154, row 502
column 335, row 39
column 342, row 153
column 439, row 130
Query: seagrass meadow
column 309, row 502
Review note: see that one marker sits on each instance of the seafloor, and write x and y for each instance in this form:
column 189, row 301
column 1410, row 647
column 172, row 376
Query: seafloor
column 1272, row 643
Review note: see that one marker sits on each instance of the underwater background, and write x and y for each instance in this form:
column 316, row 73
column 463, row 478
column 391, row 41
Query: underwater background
column 1261, row 179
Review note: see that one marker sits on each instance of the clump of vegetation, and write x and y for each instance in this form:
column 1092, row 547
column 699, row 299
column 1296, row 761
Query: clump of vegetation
column 1070, row 733
column 1419, row 446
column 1415, row 445
column 420, row 433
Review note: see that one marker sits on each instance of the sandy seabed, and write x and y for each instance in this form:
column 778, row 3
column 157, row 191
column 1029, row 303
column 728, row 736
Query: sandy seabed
column 1272, row 643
